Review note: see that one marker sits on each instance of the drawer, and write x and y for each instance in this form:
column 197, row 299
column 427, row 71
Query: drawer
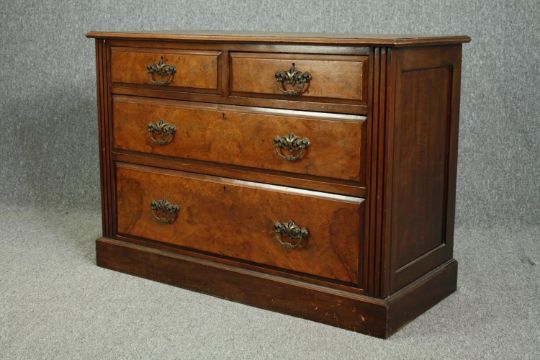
column 326, row 145
column 298, row 230
column 300, row 76
column 166, row 68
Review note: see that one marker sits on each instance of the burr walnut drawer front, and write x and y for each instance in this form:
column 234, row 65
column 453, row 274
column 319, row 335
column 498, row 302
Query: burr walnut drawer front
column 317, row 144
column 303, row 231
column 194, row 69
column 300, row 76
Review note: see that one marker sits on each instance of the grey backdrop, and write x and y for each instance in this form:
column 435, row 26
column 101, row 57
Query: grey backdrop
column 48, row 138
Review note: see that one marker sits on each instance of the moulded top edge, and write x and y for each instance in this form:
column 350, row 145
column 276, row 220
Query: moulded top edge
column 290, row 38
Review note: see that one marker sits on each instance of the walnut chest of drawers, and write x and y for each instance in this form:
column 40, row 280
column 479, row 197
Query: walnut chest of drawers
column 312, row 175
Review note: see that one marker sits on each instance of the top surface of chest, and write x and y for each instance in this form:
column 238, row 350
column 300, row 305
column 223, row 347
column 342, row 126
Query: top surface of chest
column 354, row 39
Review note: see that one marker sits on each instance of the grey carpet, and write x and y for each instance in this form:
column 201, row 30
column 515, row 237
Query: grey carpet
column 55, row 303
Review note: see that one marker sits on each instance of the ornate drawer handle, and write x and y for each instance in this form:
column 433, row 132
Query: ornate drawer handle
column 163, row 211
column 296, row 147
column 297, row 236
column 293, row 81
column 160, row 132
column 164, row 71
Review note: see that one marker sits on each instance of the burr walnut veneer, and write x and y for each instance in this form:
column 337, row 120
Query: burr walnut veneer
column 308, row 174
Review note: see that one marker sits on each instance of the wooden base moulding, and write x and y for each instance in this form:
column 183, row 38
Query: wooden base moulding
column 364, row 314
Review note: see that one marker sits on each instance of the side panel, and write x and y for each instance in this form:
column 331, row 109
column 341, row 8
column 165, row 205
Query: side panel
column 419, row 196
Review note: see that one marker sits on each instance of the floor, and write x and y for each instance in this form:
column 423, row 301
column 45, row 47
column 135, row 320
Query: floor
column 55, row 303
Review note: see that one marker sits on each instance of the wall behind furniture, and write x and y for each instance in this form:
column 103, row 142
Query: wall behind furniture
column 48, row 137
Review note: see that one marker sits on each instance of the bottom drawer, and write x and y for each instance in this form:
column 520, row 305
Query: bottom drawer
column 300, row 230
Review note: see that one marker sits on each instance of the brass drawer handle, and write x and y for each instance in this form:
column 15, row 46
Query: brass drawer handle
column 297, row 236
column 164, row 71
column 163, row 211
column 160, row 132
column 295, row 146
column 293, row 81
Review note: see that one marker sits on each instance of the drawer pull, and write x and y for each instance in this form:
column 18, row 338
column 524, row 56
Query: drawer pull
column 163, row 211
column 295, row 146
column 297, row 236
column 293, row 81
column 164, row 71
column 160, row 132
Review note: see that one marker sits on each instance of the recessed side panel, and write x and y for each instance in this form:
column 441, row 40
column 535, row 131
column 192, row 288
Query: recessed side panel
column 420, row 154
column 421, row 173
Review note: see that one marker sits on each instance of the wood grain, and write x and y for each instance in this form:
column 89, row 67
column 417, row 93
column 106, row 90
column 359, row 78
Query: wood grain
column 423, row 147
column 223, row 94
column 235, row 218
column 194, row 68
column 243, row 173
column 240, row 136
column 334, row 76
column 253, row 100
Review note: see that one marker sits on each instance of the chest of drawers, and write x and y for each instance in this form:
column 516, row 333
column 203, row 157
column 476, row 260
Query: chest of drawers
column 312, row 175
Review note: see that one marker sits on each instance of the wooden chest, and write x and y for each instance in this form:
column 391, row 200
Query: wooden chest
column 312, row 175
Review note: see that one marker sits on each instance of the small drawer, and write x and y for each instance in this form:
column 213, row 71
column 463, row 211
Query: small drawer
column 193, row 69
column 318, row 144
column 300, row 76
column 303, row 231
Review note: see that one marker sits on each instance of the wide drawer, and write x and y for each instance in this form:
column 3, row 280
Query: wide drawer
column 300, row 76
column 195, row 69
column 303, row 231
column 326, row 145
